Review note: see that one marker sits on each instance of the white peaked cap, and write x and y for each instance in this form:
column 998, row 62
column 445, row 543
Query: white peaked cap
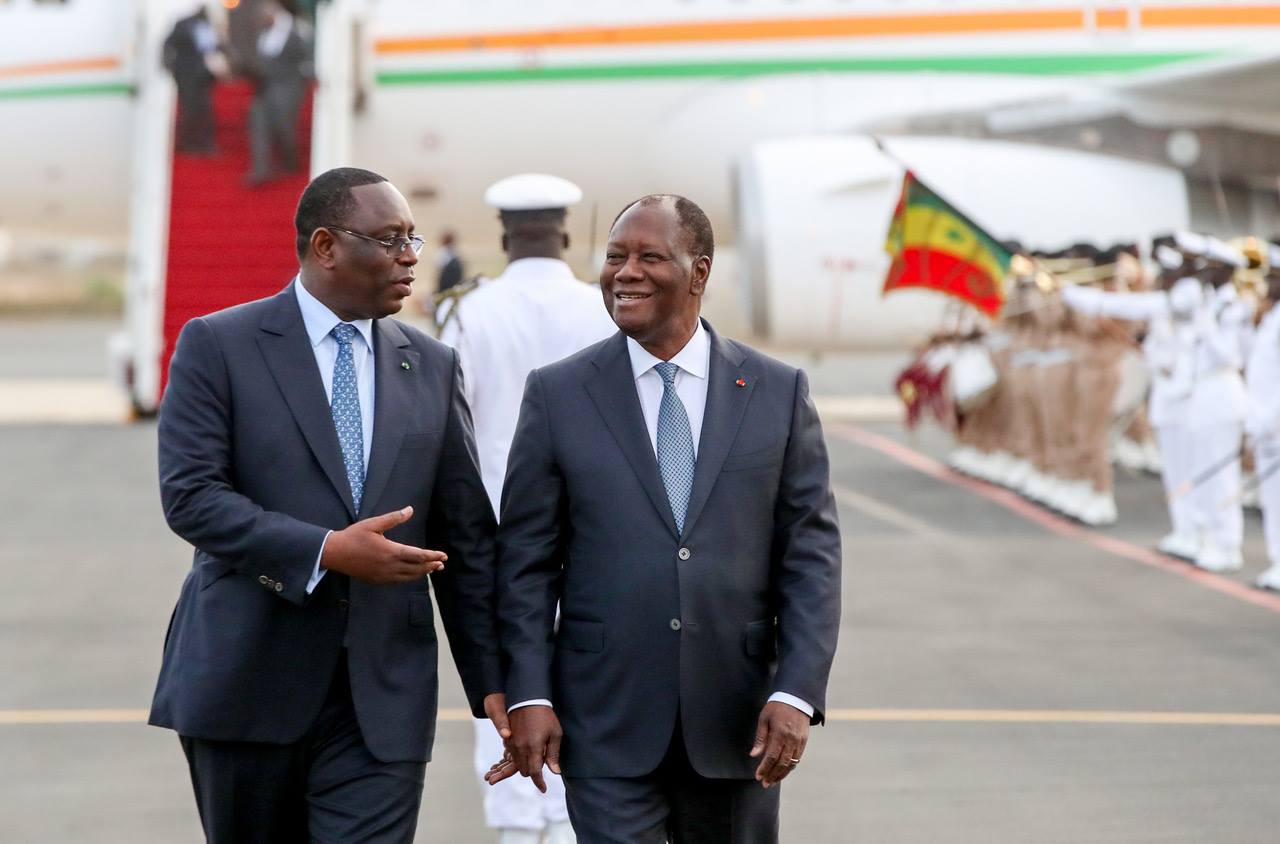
column 1168, row 258
column 1191, row 243
column 532, row 192
column 1224, row 253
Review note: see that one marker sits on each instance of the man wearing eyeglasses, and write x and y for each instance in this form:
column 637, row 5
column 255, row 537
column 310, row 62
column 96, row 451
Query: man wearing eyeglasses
column 320, row 458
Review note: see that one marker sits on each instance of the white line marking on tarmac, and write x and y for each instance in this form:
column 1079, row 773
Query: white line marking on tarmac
column 887, row 513
column 20, row 717
column 74, row 401
column 1056, row 716
column 859, row 408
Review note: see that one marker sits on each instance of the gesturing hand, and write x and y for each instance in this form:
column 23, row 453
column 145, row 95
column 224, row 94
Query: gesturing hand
column 781, row 734
column 535, row 740
column 495, row 708
column 361, row 551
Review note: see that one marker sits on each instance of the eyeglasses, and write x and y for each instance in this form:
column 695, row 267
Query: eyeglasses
column 394, row 246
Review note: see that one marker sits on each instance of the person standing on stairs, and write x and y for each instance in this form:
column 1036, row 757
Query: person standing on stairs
column 193, row 54
column 282, row 72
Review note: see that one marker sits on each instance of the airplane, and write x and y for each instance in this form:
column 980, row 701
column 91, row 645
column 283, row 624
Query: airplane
column 712, row 99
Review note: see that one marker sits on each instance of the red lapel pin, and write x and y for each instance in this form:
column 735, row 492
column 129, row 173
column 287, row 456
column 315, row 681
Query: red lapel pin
column 741, row 382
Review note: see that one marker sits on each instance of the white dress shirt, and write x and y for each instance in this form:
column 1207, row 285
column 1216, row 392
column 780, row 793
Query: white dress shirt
column 319, row 322
column 272, row 40
column 694, row 362
column 691, row 383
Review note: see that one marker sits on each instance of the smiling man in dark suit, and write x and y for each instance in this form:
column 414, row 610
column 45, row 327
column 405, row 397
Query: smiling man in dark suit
column 669, row 488
column 312, row 450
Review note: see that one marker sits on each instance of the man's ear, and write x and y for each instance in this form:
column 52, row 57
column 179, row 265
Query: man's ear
column 701, row 272
column 324, row 247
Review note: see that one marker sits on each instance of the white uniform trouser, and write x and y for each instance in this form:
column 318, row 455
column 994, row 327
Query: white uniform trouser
column 1216, row 501
column 1267, row 453
column 1175, row 469
column 515, row 803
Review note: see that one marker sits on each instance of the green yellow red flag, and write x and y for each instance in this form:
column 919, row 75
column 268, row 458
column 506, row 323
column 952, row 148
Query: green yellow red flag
column 936, row 247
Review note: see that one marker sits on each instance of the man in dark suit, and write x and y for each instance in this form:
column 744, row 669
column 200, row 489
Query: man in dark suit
column 187, row 53
column 282, row 72
column 450, row 272
column 669, row 488
column 300, row 664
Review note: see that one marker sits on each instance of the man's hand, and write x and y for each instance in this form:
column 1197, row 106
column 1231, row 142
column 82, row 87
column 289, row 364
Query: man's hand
column 535, row 740
column 361, row 551
column 495, row 707
column 781, row 734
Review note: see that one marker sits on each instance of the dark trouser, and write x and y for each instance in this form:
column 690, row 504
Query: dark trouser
column 273, row 128
column 196, row 126
column 326, row 788
column 674, row 803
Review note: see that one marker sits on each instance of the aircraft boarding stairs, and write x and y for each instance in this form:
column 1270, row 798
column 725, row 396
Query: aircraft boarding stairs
column 228, row 242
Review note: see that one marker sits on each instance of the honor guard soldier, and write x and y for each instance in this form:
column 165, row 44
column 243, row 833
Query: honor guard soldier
column 1171, row 315
column 535, row 313
column 1262, row 425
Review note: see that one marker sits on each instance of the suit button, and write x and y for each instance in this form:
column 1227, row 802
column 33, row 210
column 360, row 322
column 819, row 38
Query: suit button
column 343, row 603
column 263, row 579
column 279, row 587
column 675, row 624
column 684, row 553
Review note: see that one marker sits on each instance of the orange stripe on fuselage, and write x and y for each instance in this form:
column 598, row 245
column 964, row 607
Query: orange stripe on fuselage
column 1112, row 19
column 1268, row 15
column 69, row 66
column 752, row 30
column 845, row 26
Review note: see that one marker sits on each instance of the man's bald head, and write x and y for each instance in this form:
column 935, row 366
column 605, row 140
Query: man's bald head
column 699, row 239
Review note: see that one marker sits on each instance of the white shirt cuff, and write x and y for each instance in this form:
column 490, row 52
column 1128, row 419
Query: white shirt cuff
column 316, row 572
column 536, row 702
column 792, row 700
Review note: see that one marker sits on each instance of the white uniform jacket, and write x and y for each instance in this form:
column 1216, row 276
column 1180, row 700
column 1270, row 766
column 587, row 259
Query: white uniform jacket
column 534, row 314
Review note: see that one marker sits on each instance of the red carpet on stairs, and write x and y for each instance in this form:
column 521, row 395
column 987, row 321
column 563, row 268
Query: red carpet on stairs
column 228, row 243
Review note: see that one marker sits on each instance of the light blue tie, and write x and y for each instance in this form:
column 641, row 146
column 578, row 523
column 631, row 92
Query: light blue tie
column 345, row 408
column 675, row 445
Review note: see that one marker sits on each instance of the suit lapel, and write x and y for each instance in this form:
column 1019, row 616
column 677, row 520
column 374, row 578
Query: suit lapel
column 395, row 388
column 287, row 350
column 726, row 404
column 612, row 387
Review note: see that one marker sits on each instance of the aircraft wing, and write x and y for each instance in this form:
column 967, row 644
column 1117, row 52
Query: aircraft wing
column 1238, row 92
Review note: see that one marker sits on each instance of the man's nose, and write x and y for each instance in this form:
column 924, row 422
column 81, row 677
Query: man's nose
column 408, row 257
column 630, row 269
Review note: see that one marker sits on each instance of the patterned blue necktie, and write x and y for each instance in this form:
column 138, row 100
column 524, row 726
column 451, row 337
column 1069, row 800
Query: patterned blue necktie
column 675, row 445
column 345, row 408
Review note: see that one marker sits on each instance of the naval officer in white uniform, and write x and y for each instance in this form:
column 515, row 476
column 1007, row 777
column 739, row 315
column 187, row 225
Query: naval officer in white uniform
column 1194, row 345
column 535, row 313
column 1262, row 424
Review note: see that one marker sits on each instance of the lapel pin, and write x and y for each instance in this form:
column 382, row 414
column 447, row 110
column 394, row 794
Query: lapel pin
column 404, row 364
column 741, row 382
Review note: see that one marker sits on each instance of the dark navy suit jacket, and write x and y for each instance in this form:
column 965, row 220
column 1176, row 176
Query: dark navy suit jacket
column 706, row 623
column 251, row 474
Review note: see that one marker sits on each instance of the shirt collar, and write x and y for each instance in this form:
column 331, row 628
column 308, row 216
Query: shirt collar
column 319, row 320
column 537, row 269
column 694, row 358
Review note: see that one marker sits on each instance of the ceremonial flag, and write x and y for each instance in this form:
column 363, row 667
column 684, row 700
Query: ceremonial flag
column 935, row 246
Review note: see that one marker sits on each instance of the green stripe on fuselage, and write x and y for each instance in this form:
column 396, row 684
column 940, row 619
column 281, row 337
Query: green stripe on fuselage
column 1052, row 65
column 35, row 92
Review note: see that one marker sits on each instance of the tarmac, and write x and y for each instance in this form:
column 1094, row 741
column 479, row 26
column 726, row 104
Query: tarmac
column 1003, row 675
